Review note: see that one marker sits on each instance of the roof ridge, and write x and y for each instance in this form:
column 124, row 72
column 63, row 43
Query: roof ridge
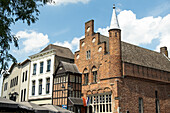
column 142, row 47
column 59, row 46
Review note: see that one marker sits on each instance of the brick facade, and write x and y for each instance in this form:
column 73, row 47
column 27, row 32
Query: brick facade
column 126, row 81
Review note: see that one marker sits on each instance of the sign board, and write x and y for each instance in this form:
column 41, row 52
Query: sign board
column 64, row 106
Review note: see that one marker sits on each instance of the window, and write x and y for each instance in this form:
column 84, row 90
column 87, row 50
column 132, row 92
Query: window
column 40, row 86
column 41, row 67
column 34, row 69
column 21, row 95
column 88, row 54
column 72, row 78
column 86, row 80
column 140, row 105
column 11, row 84
column 48, row 65
column 94, row 76
column 14, row 82
column 33, row 87
column 23, row 77
column 17, row 80
column 115, row 34
column 47, row 85
column 24, row 94
column 157, row 102
column 26, row 76
column 100, row 103
column 5, row 86
column 77, row 79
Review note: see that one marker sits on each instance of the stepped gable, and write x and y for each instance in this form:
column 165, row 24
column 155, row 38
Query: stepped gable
column 60, row 51
column 140, row 56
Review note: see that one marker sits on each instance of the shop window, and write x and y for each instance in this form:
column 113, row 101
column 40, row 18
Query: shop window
column 101, row 102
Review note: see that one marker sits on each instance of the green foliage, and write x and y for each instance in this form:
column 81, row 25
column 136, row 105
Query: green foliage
column 12, row 11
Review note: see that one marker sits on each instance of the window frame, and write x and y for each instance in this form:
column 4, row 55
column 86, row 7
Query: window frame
column 41, row 67
column 26, row 72
column 88, row 54
column 141, row 105
column 23, row 75
column 40, row 87
column 97, row 103
column 47, row 86
column 33, row 87
column 34, row 68
column 94, row 76
column 86, row 78
column 48, row 65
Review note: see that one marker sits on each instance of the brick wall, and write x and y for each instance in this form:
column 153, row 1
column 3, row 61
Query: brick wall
column 126, row 81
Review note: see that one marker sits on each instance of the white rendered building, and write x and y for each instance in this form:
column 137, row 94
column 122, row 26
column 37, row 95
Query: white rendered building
column 43, row 66
column 13, row 87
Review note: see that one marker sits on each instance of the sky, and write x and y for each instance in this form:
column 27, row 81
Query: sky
column 144, row 23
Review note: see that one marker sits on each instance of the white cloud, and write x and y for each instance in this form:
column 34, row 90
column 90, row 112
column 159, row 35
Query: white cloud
column 32, row 41
column 65, row 2
column 73, row 45
column 144, row 30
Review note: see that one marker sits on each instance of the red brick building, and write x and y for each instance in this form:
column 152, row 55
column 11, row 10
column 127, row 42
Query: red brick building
column 119, row 77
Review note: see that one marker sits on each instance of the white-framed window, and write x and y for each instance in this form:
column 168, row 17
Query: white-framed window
column 26, row 75
column 41, row 67
column 33, row 87
column 101, row 103
column 48, row 65
column 47, row 85
column 34, row 69
column 40, row 86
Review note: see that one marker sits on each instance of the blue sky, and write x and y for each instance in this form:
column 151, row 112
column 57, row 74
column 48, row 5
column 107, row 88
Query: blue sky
column 144, row 23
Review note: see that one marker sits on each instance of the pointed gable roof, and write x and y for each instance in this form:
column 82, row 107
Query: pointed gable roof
column 60, row 51
column 114, row 21
column 67, row 67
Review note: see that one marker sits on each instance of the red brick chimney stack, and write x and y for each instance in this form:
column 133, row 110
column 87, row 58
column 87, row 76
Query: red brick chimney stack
column 164, row 50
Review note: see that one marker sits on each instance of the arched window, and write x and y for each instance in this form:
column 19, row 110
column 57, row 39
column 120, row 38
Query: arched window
column 94, row 71
column 86, row 76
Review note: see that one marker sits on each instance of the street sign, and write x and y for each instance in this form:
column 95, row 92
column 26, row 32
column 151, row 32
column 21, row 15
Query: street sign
column 64, row 106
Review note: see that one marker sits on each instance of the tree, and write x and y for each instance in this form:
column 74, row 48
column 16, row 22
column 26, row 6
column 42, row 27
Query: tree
column 12, row 11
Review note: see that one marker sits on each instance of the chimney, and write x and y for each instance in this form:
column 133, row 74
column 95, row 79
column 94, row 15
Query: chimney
column 164, row 50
